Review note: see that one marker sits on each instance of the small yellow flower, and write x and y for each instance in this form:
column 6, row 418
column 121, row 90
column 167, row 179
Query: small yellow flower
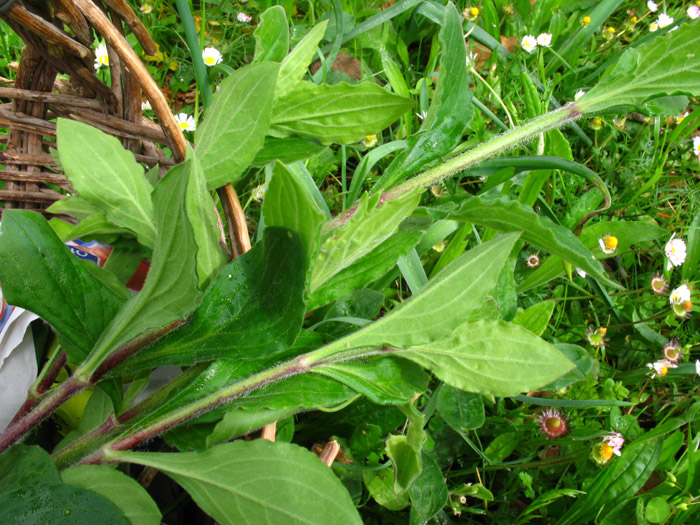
column 596, row 123
column 610, row 30
column 585, row 20
column 370, row 141
column 608, row 244
column 634, row 19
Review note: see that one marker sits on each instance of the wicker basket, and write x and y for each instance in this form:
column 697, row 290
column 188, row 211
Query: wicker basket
column 58, row 35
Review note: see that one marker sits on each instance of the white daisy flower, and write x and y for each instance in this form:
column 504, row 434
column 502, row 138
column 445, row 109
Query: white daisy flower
column 615, row 440
column 544, row 39
column 696, row 145
column 653, row 6
column 211, row 56
column 101, row 56
column 529, row 43
column 664, row 20
column 653, row 27
column 693, row 12
column 660, row 367
column 675, row 252
column 146, row 105
column 680, row 295
column 697, row 367
column 243, row 18
column 185, row 121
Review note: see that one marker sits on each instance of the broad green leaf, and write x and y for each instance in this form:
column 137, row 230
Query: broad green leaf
column 668, row 65
column 23, row 465
column 287, row 150
column 578, row 356
column 124, row 492
column 429, row 491
column 341, row 113
column 202, row 217
column 406, row 462
column 491, row 357
column 75, row 207
column 536, row 318
column 628, row 233
column 40, row 274
column 461, row 410
column 380, row 485
column 368, row 227
column 450, row 112
column 405, row 451
column 501, row 447
column 92, row 227
column 441, row 306
column 286, row 398
column 615, row 483
column 384, row 381
column 57, row 504
column 107, row 176
column 271, row 36
column 236, row 123
column 256, row 482
column 505, row 215
column 657, row 510
column 289, row 204
column 170, row 291
column 296, row 63
column 253, row 308
column 371, row 266
column 693, row 258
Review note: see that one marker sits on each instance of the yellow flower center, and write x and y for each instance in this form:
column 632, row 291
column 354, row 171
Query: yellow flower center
column 474, row 11
column 663, row 370
column 611, row 29
column 634, row 19
column 103, row 59
column 209, row 60
column 184, row 125
column 606, row 451
column 586, row 20
column 610, row 242
column 688, row 305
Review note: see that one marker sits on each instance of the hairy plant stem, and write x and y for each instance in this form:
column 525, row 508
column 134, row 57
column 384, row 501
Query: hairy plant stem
column 79, row 381
column 299, row 365
column 503, row 142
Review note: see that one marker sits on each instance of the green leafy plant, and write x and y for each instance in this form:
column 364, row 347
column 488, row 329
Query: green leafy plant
column 239, row 329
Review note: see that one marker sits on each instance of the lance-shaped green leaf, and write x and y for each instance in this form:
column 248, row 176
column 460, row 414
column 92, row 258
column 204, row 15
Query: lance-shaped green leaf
column 107, row 176
column 236, row 123
column 371, row 266
column 491, row 357
column 368, row 227
column 463, row 411
column 288, row 203
column 668, row 65
column 58, row 504
column 253, row 308
column 429, row 491
column 450, row 111
column 296, row 63
column 124, row 492
column 616, row 483
column 202, row 216
column 288, row 397
column 505, row 215
column 170, row 291
column 256, row 482
column 75, row 207
column 385, row 381
column 40, row 274
column 271, row 36
column 341, row 113
column 441, row 306
column 287, row 150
